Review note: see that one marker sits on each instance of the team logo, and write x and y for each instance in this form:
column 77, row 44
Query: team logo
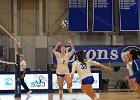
column 76, row 80
column 40, row 81
column 55, row 84
column 8, row 81
column 126, row 51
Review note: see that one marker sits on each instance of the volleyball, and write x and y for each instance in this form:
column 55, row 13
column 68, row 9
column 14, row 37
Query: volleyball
column 64, row 23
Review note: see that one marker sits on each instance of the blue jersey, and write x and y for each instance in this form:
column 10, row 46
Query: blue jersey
column 136, row 70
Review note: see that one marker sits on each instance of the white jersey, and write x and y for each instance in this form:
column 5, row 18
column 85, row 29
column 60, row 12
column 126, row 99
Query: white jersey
column 129, row 65
column 22, row 65
column 62, row 62
column 83, row 69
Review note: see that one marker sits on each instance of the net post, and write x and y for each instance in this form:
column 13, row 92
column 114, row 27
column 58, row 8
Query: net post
column 17, row 78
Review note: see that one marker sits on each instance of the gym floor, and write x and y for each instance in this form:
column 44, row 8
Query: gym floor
column 74, row 96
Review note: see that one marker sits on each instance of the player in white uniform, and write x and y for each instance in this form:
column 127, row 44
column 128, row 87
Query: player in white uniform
column 62, row 70
column 82, row 66
column 132, row 81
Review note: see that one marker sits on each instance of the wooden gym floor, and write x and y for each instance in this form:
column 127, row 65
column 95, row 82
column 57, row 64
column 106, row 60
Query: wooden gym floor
column 74, row 96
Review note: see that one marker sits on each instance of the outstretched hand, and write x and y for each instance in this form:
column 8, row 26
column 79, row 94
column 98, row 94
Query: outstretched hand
column 108, row 69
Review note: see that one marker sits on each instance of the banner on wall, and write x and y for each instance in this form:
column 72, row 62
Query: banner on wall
column 129, row 15
column 33, row 81
column 103, row 15
column 102, row 54
column 78, row 15
column 75, row 82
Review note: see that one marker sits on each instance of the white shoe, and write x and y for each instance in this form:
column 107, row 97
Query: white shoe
column 97, row 97
column 61, row 99
column 28, row 97
column 70, row 90
column 28, row 93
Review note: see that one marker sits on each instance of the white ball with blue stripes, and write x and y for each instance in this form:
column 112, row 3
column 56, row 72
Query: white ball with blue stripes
column 64, row 23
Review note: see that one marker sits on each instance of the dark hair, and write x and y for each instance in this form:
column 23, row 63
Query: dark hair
column 80, row 55
column 60, row 48
column 135, row 53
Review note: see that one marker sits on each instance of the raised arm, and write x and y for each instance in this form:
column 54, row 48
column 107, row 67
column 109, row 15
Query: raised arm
column 105, row 67
column 58, row 44
column 93, row 63
column 71, row 44
column 73, row 70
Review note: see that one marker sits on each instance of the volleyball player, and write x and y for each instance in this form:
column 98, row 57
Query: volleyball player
column 82, row 66
column 131, row 81
column 134, row 56
column 62, row 70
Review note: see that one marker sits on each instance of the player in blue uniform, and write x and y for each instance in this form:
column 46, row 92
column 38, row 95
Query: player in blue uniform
column 134, row 56
column 131, row 81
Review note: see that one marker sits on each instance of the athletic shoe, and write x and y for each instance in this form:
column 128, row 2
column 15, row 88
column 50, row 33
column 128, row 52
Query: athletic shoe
column 28, row 93
column 97, row 97
column 28, row 97
column 60, row 99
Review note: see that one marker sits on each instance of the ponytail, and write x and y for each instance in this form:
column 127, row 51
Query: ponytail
column 136, row 54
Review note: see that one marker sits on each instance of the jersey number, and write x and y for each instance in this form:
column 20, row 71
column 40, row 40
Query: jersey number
column 63, row 61
column 83, row 66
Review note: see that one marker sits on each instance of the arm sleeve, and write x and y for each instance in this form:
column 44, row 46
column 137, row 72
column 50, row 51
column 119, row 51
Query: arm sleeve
column 73, row 68
column 94, row 63
column 56, row 53
column 24, row 64
column 135, row 74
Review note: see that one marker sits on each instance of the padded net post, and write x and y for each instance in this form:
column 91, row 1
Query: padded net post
column 17, row 78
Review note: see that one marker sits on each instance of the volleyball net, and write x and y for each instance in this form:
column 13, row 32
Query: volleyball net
column 9, row 56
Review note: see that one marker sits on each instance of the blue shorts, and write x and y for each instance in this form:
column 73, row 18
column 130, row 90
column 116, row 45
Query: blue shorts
column 62, row 75
column 88, row 80
column 138, row 79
